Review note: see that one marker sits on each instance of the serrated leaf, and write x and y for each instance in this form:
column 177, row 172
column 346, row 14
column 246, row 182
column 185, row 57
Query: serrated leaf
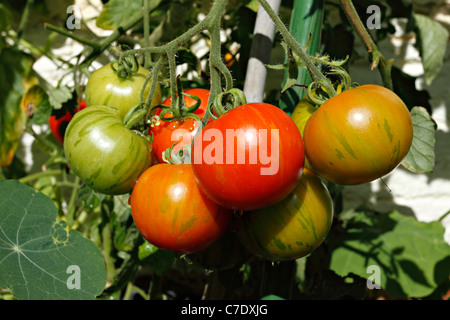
column 40, row 259
column 420, row 158
column 90, row 198
column 58, row 96
column 125, row 232
column 117, row 12
column 432, row 43
column 412, row 257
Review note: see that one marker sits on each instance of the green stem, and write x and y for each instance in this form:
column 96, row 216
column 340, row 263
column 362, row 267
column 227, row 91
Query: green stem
column 210, row 20
column 148, row 57
column 24, row 19
column 154, row 77
column 378, row 60
column 444, row 216
column 110, row 39
column 41, row 174
column 71, row 35
column 306, row 27
column 71, row 205
column 313, row 70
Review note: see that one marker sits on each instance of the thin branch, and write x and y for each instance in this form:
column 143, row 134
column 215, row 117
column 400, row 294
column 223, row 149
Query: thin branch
column 378, row 60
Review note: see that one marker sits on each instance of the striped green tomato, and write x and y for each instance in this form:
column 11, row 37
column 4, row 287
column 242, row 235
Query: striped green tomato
column 106, row 155
column 292, row 228
column 358, row 135
column 104, row 87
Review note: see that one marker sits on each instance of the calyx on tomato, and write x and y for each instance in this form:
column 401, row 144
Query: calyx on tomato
column 174, row 123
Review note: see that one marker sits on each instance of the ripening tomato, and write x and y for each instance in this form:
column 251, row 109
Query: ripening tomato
column 166, row 133
column 292, row 228
column 359, row 135
column 105, row 88
column 172, row 213
column 106, row 155
column 250, row 157
column 302, row 112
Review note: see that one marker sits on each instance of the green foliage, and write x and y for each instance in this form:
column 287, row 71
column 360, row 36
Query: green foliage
column 15, row 72
column 411, row 256
column 39, row 254
column 420, row 158
column 432, row 43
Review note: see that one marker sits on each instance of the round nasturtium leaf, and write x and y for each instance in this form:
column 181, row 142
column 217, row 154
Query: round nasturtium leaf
column 39, row 258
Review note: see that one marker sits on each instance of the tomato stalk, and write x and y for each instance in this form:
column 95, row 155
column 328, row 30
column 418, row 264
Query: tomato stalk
column 377, row 57
column 73, row 36
column 314, row 71
column 223, row 102
column 306, row 27
column 24, row 19
column 178, row 108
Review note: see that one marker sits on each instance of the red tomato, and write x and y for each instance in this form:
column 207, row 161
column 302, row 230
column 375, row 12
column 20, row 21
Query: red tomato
column 250, row 157
column 172, row 213
column 166, row 133
column 58, row 124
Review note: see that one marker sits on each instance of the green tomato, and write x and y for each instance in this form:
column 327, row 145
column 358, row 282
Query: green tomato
column 106, row 155
column 291, row 228
column 105, row 88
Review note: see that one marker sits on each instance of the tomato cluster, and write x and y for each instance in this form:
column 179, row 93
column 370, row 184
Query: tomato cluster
column 251, row 171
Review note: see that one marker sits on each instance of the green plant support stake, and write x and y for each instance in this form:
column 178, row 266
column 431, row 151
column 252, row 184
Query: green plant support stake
column 305, row 25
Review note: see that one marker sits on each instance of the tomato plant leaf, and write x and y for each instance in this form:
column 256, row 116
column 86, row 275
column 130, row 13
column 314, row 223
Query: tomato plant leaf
column 432, row 43
column 39, row 257
column 58, row 96
column 409, row 258
column 117, row 12
column 420, row 158
column 35, row 103
column 15, row 77
column 125, row 232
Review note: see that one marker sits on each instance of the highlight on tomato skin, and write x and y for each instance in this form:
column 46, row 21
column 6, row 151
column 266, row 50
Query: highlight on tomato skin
column 359, row 135
column 174, row 214
column 221, row 157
